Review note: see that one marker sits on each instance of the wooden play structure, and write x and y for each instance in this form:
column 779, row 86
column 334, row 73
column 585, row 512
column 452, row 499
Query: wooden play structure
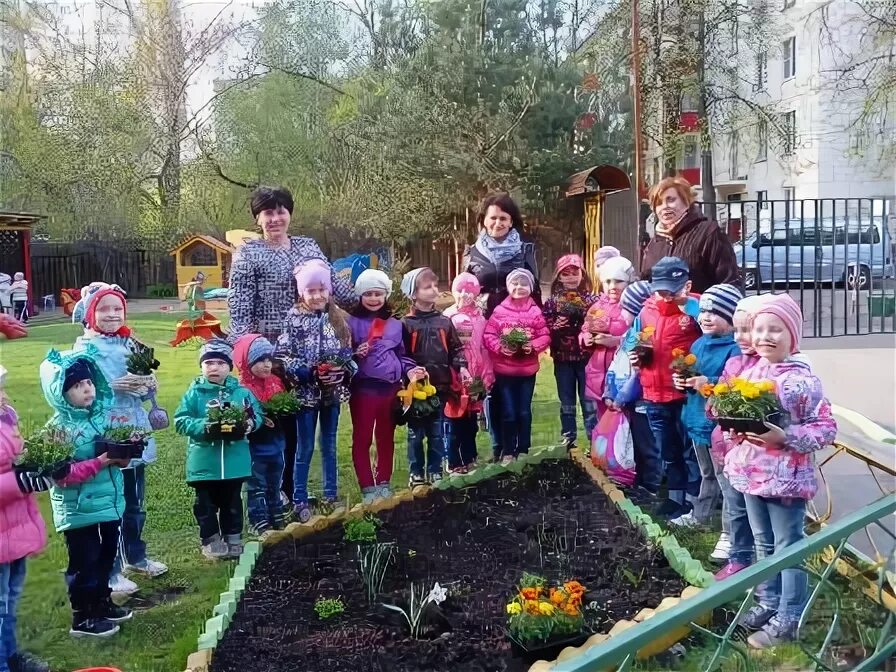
column 202, row 254
column 15, row 247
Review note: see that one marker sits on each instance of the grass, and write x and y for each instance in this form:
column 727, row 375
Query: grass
column 171, row 609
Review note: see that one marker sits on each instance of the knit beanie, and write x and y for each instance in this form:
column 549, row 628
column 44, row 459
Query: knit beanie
column 721, row 300
column 616, row 268
column 409, row 281
column 634, row 296
column 568, row 261
column 604, row 253
column 750, row 304
column 466, row 282
column 217, row 348
column 372, row 278
column 85, row 310
column 520, row 273
column 74, row 374
column 259, row 349
column 785, row 308
column 313, row 272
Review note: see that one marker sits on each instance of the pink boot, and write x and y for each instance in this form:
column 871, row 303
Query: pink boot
column 728, row 570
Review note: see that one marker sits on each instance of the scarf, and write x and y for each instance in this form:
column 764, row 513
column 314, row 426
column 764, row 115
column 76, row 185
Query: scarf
column 499, row 252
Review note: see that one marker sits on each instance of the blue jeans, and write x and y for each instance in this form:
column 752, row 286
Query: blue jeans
column 12, row 580
column 306, row 428
column 460, row 438
column 263, row 492
column 570, row 377
column 431, row 431
column 648, row 465
column 516, row 413
column 778, row 523
column 735, row 521
column 131, row 547
column 492, row 410
column 679, row 460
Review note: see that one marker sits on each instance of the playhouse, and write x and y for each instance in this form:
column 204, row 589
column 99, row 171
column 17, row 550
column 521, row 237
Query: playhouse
column 202, row 254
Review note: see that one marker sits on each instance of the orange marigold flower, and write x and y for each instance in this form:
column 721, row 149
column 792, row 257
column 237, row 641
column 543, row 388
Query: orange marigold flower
column 677, row 352
column 574, row 587
column 557, row 596
column 571, row 610
column 690, row 359
column 532, row 606
column 531, row 593
column 707, row 389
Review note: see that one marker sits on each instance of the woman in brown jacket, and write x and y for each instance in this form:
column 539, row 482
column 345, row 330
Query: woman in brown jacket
column 682, row 231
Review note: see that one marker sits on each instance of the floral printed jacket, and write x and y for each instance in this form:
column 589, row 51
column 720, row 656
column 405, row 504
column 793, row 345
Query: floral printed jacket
column 764, row 470
column 565, row 340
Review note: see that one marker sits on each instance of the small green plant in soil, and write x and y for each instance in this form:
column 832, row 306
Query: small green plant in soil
column 142, row 360
column 417, row 605
column 373, row 561
column 362, row 529
column 328, row 607
column 226, row 415
column 125, row 434
column 281, row 404
column 45, row 448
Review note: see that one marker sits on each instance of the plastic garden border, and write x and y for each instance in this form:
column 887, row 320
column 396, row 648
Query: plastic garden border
column 679, row 559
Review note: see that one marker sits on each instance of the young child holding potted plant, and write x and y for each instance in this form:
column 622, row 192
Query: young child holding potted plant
column 253, row 355
column 515, row 360
column 382, row 363
column 215, row 414
column 87, row 502
column 755, row 463
column 316, row 351
column 129, row 367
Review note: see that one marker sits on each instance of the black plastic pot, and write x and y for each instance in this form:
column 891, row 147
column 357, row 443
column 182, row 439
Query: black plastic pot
column 220, row 431
column 644, row 353
column 752, row 425
column 546, row 650
column 56, row 471
column 119, row 450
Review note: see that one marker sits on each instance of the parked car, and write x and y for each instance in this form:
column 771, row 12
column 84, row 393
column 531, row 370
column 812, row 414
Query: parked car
column 794, row 251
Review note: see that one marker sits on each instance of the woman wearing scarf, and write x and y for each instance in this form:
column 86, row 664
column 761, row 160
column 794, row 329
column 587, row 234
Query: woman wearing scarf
column 682, row 231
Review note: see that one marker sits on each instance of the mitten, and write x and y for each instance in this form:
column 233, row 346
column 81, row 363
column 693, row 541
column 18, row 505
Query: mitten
column 31, row 481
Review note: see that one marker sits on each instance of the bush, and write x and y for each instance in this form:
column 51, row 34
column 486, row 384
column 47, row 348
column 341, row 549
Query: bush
column 162, row 291
column 327, row 608
column 363, row 529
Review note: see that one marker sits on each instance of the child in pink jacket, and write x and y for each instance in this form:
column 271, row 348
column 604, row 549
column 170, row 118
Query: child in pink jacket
column 515, row 363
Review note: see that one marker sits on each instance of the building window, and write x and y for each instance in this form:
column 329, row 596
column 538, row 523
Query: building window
column 762, row 200
column 789, row 57
column 789, row 198
column 762, row 140
column 761, row 72
column 733, row 142
column 688, row 102
column 691, row 157
column 788, row 121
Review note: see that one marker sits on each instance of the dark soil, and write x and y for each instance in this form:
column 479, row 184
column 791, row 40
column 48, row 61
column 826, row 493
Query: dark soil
column 476, row 542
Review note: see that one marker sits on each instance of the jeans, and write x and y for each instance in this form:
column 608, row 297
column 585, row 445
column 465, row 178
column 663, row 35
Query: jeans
column 570, row 377
column 516, row 413
column 131, row 547
column 263, row 492
column 778, row 523
column 372, row 416
column 91, row 552
column 492, row 410
column 679, row 461
column 431, row 431
column 460, row 437
column 290, row 441
column 735, row 521
column 306, row 428
column 648, row 465
column 12, row 580
column 708, row 497
column 218, row 508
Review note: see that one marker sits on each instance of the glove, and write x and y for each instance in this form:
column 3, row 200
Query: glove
column 31, row 481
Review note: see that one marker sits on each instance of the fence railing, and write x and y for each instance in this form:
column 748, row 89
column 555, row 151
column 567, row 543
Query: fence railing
column 835, row 256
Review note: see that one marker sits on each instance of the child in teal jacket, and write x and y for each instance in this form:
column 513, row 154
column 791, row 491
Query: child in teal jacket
column 216, row 466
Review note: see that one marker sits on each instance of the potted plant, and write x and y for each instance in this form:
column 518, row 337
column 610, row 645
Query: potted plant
column 281, row 405
column 644, row 346
column 543, row 620
column 47, row 452
column 339, row 366
column 121, row 442
column 515, row 339
column 226, row 421
column 744, row 406
column 597, row 321
column 418, row 401
column 572, row 306
column 683, row 364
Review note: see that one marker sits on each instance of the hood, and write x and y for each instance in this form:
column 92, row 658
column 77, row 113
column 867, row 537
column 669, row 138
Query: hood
column 52, row 376
column 241, row 352
column 519, row 305
column 263, row 389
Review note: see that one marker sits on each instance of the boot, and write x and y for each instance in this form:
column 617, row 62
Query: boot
column 84, row 624
column 216, row 548
column 234, row 545
column 112, row 612
column 25, row 662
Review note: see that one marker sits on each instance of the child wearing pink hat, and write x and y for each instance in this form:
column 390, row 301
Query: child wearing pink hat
column 564, row 313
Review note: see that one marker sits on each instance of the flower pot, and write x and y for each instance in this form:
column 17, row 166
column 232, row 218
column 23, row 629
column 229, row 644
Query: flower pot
column 545, row 650
column 753, row 425
column 118, row 450
column 226, row 431
column 55, row 471
column 644, row 353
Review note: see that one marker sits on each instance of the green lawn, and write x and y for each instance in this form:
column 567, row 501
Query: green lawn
column 171, row 609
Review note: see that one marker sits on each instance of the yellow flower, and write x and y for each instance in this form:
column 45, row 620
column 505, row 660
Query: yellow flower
column 751, row 393
column 546, row 608
column 430, row 390
column 766, row 386
column 690, row 359
column 420, row 395
column 720, row 388
column 514, row 608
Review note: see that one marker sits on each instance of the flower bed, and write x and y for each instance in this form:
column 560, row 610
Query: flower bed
column 476, row 543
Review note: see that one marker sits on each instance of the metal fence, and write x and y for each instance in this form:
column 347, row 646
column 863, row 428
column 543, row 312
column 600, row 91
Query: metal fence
column 835, row 256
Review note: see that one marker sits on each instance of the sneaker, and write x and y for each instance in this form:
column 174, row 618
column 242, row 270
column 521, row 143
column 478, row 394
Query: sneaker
column 25, row 662
column 234, row 545
column 327, row 507
column 772, row 634
column 507, row 460
column 415, row 480
column 722, row 551
column 260, row 529
column 471, row 466
column 368, row 495
column 568, row 442
column 151, row 568
column 685, row 520
column 457, row 471
column 302, row 512
column 383, row 490
column 435, row 478
column 216, row 549
column 121, row 584
column 730, row 569
column 756, row 617
column 669, row 508
column 112, row 612
column 94, row 627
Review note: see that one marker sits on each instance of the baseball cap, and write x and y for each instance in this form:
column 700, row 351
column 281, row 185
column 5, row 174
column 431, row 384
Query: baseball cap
column 670, row 274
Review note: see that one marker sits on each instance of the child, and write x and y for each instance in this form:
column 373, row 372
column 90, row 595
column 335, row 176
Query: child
column 253, row 355
column 22, row 534
column 88, row 503
column 216, row 468
column 603, row 254
column 469, row 322
column 103, row 312
column 604, row 325
column 377, row 338
column 712, row 350
column 670, row 313
column 431, row 341
column 19, row 291
column 776, row 469
column 564, row 313
column 515, row 367
column 622, row 392
column 315, row 349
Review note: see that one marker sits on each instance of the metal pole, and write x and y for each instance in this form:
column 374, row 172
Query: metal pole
column 636, row 103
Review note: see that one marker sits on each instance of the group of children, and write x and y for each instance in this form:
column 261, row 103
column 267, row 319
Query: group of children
column 329, row 357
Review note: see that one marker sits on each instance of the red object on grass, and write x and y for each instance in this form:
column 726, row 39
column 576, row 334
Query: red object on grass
column 206, row 327
column 99, row 669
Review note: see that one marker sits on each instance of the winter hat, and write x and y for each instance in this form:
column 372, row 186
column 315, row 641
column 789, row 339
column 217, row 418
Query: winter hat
column 313, row 271
column 785, row 308
column 721, row 300
column 634, row 296
column 616, row 268
column 19, row 276
column 466, row 282
column 260, row 349
column 85, row 310
column 409, row 281
column 372, row 278
column 216, row 348
column 750, row 304
column 568, row 261
column 603, row 254
column 74, row 374
column 520, row 273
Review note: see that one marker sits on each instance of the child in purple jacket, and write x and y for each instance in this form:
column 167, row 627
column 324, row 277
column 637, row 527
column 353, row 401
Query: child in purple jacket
column 377, row 339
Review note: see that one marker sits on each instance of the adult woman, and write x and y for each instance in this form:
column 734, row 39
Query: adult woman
column 262, row 288
column 682, row 231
